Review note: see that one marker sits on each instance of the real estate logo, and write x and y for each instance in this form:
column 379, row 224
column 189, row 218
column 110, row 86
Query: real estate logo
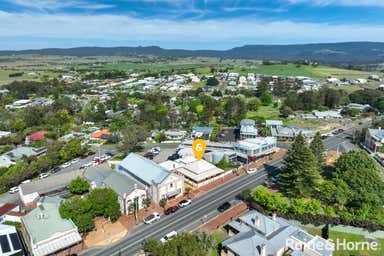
column 199, row 147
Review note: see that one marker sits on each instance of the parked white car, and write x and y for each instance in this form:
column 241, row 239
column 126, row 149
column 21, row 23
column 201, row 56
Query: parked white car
column 152, row 218
column 252, row 170
column 43, row 175
column 155, row 150
column 74, row 161
column 185, row 202
column 13, row 190
column 65, row 165
column 168, row 237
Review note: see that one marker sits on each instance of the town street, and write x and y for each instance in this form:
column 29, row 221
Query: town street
column 188, row 218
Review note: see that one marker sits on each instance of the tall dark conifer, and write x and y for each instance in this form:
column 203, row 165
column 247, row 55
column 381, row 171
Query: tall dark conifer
column 299, row 175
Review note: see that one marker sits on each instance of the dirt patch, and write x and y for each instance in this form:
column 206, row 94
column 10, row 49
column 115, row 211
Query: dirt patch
column 106, row 233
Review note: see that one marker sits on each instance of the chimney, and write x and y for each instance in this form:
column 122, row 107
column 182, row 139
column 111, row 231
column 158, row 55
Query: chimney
column 263, row 249
column 274, row 216
column 256, row 221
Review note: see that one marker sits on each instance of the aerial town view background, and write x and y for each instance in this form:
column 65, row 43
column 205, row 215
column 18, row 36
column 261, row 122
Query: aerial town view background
column 198, row 146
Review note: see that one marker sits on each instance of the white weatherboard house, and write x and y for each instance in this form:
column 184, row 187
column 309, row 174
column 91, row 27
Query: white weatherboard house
column 161, row 182
column 129, row 191
column 45, row 232
column 255, row 234
column 196, row 172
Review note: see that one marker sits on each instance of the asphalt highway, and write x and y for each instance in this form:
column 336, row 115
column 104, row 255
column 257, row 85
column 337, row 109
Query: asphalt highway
column 188, row 218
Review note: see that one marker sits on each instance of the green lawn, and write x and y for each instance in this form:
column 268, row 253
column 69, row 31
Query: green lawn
column 266, row 112
column 349, row 238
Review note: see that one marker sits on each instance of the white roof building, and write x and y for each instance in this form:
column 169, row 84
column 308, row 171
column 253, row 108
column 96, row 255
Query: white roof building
column 196, row 172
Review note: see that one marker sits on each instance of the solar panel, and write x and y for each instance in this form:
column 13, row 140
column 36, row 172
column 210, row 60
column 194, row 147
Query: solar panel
column 5, row 246
column 15, row 241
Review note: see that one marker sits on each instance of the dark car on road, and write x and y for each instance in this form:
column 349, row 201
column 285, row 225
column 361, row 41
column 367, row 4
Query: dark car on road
column 225, row 206
column 171, row 210
column 149, row 155
column 56, row 170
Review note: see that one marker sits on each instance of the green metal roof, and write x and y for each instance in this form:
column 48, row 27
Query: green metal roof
column 45, row 220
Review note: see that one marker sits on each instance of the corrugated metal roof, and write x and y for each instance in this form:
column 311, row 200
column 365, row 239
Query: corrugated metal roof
column 143, row 169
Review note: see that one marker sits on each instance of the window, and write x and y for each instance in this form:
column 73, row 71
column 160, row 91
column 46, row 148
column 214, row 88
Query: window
column 171, row 185
column 5, row 246
column 15, row 241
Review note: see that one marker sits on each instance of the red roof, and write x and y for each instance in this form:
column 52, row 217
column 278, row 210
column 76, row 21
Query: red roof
column 6, row 208
column 16, row 214
column 37, row 135
column 101, row 134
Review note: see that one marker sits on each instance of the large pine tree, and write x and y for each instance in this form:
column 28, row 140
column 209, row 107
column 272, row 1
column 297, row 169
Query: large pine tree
column 299, row 175
column 318, row 150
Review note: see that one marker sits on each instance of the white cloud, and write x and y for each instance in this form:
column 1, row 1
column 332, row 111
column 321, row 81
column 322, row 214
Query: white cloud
column 58, row 4
column 116, row 28
column 379, row 3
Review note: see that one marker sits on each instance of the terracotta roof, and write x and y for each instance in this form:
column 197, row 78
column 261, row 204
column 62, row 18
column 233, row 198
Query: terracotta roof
column 17, row 214
column 101, row 133
column 37, row 135
column 6, row 208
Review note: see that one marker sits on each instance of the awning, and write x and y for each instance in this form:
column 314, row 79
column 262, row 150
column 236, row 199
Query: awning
column 173, row 193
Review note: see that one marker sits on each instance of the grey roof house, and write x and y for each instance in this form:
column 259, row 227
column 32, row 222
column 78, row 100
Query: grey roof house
column 9, row 158
column 161, row 182
column 129, row 190
column 374, row 139
column 255, row 234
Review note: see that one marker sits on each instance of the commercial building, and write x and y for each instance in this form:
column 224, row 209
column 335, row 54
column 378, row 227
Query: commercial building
column 374, row 139
column 251, row 149
column 196, row 172
column 159, row 181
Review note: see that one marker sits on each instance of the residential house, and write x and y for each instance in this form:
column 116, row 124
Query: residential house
column 251, row 149
column 10, row 244
column 248, row 129
column 160, row 182
column 36, row 136
column 330, row 114
column 273, row 123
column 46, row 232
column 359, row 107
column 256, row 234
column 130, row 192
column 195, row 172
column 201, row 132
column 175, row 135
column 101, row 134
column 290, row 132
column 10, row 212
column 374, row 139
column 9, row 158
column 5, row 134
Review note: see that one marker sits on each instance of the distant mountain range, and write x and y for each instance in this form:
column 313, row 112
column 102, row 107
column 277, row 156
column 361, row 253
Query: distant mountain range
column 326, row 53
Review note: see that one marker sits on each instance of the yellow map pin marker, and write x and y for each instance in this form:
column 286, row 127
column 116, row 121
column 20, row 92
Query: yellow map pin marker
column 199, row 147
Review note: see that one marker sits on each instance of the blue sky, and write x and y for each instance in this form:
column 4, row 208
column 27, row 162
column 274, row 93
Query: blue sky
column 188, row 24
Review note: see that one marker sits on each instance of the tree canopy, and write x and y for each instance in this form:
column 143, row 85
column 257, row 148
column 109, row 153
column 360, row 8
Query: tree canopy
column 299, row 175
column 185, row 244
